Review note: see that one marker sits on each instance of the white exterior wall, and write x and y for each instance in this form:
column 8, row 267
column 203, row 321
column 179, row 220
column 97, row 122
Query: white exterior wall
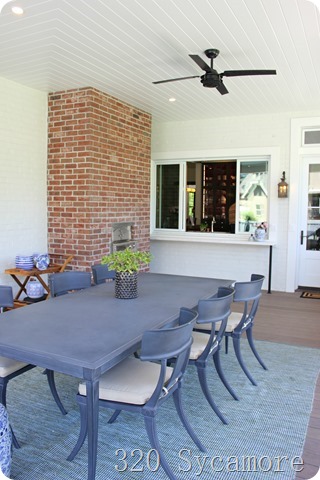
column 23, row 171
column 173, row 140
column 23, row 192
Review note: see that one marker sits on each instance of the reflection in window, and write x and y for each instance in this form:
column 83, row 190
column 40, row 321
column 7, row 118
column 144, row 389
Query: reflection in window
column 167, row 200
column 253, row 195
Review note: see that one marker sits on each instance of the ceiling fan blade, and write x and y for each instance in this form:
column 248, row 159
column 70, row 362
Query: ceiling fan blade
column 222, row 88
column 201, row 63
column 176, row 79
column 240, row 73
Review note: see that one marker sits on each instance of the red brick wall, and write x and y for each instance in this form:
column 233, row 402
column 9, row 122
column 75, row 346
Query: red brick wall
column 98, row 173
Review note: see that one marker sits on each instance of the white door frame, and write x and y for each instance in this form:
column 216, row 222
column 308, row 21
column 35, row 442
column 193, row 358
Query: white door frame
column 298, row 151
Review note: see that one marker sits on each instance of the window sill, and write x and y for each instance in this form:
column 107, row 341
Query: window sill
column 208, row 237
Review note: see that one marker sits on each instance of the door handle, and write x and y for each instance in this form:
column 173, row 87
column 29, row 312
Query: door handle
column 302, row 237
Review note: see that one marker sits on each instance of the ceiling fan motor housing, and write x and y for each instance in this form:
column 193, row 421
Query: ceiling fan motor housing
column 210, row 80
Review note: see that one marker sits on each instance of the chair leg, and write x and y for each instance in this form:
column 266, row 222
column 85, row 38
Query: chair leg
column 52, row 385
column 151, row 429
column 249, row 333
column 114, row 416
column 204, row 386
column 14, row 439
column 226, row 343
column 236, row 345
column 217, row 364
column 185, row 422
column 83, row 429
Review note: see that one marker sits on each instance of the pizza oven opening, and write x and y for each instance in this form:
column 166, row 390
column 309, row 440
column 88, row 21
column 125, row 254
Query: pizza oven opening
column 121, row 237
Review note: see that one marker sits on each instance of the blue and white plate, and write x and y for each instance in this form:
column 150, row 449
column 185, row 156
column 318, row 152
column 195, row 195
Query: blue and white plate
column 42, row 261
column 25, row 262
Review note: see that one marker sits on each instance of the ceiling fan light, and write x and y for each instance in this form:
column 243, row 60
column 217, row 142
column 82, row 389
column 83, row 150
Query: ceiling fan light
column 17, row 10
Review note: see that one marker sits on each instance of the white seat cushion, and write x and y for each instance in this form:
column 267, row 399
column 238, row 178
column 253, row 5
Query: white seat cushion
column 131, row 381
column 200, row 341
column 203, row 326
column 233, row 320
column 8, row 366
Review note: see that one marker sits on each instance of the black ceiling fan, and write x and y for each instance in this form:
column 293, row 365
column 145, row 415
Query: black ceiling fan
column 213, row 79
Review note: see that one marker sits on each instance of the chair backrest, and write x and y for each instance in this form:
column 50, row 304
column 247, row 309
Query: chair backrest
column 216, row 308
column 215, row 311
column 101, row 273
column 164, row 344
column 64, row 282
column 249, row 293
column 6, row 297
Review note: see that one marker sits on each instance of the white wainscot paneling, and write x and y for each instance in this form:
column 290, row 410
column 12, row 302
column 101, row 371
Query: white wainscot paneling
column 217, row 260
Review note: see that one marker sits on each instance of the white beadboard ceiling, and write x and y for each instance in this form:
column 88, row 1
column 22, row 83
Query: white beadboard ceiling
column 121, row 46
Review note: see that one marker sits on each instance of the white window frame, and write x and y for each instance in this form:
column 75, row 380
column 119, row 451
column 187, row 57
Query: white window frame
column 271, row 154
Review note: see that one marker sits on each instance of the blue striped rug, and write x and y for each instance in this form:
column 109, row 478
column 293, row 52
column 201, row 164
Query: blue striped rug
column 263, row 439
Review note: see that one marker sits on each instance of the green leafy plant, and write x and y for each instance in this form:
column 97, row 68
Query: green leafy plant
column 127, row 260
column 249, row 216
column 203, row 227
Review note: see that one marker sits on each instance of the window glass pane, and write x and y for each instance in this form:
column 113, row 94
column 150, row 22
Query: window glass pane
column 219, row 196
column 312, row 137
column 167, row 200
column 253, row 195
column 313, row 225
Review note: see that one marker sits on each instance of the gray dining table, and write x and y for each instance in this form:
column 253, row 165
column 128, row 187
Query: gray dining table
column 85, row 333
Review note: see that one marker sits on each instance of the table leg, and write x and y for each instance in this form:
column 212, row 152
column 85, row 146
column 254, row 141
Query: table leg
column 93, row 415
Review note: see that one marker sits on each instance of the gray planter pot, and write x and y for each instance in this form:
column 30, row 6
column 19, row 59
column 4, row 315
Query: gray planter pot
column 126, row 285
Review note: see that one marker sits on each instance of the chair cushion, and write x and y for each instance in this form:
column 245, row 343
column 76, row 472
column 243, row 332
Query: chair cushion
column 200, row 341
column 131, row 381
column 203, row 326
column 8, row 366
column 233, row 321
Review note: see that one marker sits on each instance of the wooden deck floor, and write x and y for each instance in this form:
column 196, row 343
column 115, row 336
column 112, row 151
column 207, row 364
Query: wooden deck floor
column 288, row 318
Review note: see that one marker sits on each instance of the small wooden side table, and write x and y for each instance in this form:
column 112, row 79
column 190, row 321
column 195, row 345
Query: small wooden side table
column 35, row 272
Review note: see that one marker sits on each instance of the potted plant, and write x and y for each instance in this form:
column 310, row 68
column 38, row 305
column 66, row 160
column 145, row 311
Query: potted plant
column 126, row 264
column 249, row 217
column 204, row 225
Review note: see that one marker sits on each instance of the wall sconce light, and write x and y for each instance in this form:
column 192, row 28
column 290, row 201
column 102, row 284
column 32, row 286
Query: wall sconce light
column 283, row 187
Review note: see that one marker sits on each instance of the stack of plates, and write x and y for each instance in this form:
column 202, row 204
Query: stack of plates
column 25, row 262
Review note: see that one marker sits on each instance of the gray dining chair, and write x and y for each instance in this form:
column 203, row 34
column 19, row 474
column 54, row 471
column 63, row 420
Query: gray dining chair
column 206, row 344
column 10, row 368
column 248, row 294
column 142, row 385
column 68, row 282
column 101, row 273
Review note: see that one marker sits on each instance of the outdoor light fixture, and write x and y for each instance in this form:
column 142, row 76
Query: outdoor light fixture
column 17, row 10
column 283, row 187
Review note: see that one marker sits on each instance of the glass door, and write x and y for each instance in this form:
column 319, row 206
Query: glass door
column 309, row 263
